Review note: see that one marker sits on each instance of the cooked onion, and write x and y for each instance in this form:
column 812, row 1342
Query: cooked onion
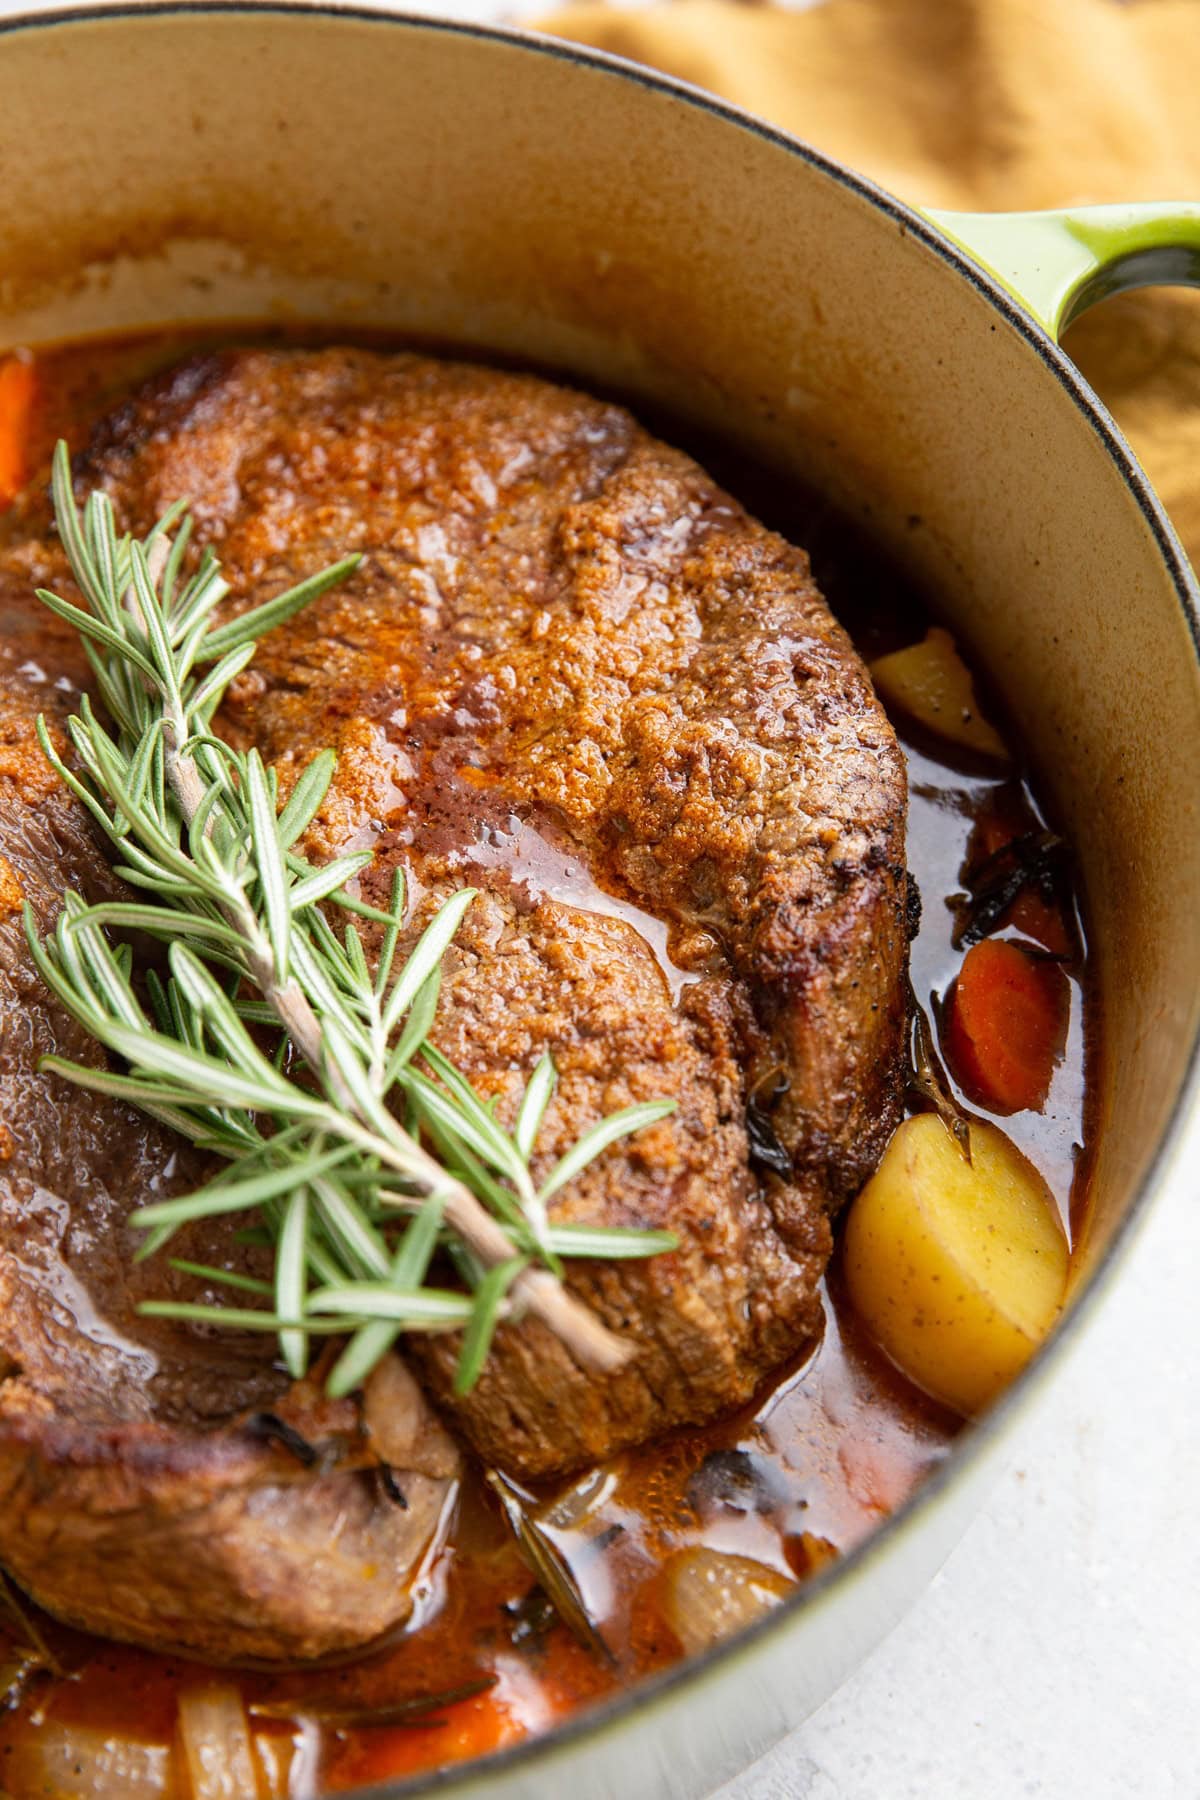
column 711, row 1594
column 74, row 1762
column 217, row 1744
column 288, row 1762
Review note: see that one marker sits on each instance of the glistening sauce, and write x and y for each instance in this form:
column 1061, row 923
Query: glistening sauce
column 834, row 1445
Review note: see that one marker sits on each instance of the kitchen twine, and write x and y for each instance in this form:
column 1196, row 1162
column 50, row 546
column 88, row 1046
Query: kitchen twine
column 985, row 104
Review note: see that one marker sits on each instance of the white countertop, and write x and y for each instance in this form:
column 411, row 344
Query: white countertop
column 1058, row 1653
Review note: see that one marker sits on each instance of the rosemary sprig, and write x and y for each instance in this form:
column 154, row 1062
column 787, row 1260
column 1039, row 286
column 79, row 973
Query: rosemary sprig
column 554, row 1573
column 355, row 1204
column 927, row 1078
column 419, row 1710
column 21, row 1625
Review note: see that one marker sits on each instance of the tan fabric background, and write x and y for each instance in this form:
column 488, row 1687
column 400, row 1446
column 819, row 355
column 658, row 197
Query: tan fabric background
column 985, row 103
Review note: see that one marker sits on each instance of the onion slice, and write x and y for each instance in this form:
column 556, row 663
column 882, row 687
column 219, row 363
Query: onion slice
column 217, row 1746
column 77, row 1762
column 710, row 1595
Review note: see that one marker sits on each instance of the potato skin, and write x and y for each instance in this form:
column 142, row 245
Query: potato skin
column 958, row 1269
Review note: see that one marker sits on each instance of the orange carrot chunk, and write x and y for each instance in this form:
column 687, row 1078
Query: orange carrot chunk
column 16, row 408
column 1035, row 918
column 461, row 1732
column 522, row 1704
column 1006, row 1025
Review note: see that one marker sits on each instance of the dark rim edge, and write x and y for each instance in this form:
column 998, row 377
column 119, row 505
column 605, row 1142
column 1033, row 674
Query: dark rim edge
column 975, row 1440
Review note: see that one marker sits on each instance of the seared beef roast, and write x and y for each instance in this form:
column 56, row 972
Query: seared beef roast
column 155, row 1484
column 575, row 674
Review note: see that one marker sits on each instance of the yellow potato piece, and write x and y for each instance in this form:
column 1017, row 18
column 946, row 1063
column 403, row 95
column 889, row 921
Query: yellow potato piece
column 958, row 1269
column 930, row 682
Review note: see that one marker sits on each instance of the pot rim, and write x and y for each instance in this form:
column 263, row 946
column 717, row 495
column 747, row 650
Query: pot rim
column 978, row 1436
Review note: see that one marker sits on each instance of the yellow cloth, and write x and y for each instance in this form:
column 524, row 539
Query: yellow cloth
column 998, row 104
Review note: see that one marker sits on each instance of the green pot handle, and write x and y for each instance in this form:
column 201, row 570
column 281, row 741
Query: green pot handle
column 1058, row 263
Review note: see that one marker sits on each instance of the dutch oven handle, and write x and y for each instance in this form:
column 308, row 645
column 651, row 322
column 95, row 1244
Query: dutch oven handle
column 1058, row 263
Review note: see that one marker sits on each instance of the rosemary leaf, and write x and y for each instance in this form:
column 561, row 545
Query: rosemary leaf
column 462, row 1114
column 534, row 1101
column 307, row 796
column 548, row 1564
column 88, row 626
column 416, row 1709
column 222, row 1196
column 408, row 1270
column 391, row 938
column 246, row 1284
column 272, row 878
column 424, row 1308
column 481, row 1327
column 587, row 1149
column 411, row 1264
column 141, row 1091
column 237, row 1318
column 20, row 1620
column 291, row 1279
column 251, row 626
column 416, row 1027
column 427, row 955
column 156, row 921
column 369, row 1345
column 323, row 882
column 211, row 691
column 610, row 1243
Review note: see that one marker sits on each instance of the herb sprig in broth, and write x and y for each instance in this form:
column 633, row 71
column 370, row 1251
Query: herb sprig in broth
column 354, row 1204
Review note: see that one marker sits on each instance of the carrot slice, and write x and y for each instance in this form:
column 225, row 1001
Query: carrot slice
column 17, row 383
column 462, row 1731
column 520, row 1705
column 1006, row 1026
column 1035, row 918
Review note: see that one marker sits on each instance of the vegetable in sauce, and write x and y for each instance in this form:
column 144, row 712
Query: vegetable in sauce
column 1006, row 1021
column 958, row 1267
column 930, row 684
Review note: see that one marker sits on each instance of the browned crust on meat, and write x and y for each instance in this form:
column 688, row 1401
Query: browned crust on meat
column 211, row 1545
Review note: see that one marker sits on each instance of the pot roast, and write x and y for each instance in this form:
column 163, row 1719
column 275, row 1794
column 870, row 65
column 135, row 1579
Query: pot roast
column 154, row 1484
column 574, row 674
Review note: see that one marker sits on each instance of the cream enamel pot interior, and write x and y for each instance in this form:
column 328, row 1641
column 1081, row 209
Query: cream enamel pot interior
column 179, row 163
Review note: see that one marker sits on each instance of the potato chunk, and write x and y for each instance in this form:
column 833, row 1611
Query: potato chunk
column 957, row 1268
column 931, row 683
